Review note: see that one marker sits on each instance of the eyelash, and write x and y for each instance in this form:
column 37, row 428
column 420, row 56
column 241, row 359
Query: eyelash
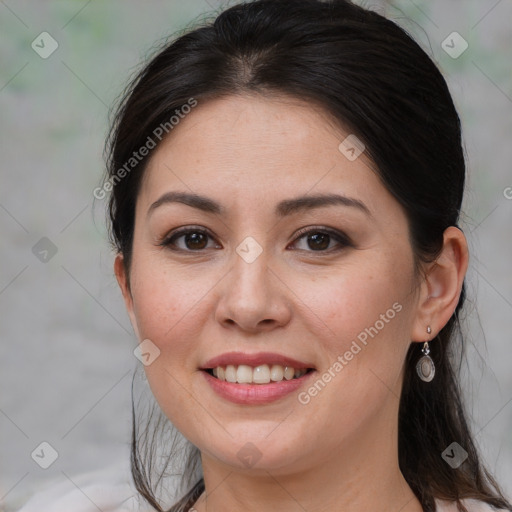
column 342, row 239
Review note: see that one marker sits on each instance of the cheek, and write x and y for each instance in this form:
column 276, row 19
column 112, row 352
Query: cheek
column 167, row 308
column 168, row 312
column 366, row 315
column 359, row 302
column 363, row 335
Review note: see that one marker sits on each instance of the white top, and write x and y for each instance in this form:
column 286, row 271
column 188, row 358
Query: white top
column 112, row 490
column 471, row 505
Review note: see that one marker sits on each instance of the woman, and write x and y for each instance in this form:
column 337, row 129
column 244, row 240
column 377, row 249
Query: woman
column 286, row 186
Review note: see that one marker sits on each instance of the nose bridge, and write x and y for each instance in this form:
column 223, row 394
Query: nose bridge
column 250, row 271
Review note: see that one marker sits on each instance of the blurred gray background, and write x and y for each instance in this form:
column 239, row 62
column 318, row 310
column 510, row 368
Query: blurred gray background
column 66, row 347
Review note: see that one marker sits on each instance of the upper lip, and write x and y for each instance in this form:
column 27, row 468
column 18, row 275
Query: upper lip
column 257, row 359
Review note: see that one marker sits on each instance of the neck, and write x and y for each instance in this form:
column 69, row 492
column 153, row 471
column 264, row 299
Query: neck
column 359, row 475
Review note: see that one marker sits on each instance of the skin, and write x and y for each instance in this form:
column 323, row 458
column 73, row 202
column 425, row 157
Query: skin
column 338, row 452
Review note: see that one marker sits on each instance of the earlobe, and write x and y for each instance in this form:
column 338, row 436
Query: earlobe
column 442, row 285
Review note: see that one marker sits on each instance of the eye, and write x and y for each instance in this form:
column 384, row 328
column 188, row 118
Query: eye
column 194, row 239
column 320, row 239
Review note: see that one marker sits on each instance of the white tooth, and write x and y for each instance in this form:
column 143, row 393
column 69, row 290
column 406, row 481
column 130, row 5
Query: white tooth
column 289, row 372
column 215, row 372
column 230, row 373
column 261, row 374
column 276, row 372
column 244, row 374
column 221, row 374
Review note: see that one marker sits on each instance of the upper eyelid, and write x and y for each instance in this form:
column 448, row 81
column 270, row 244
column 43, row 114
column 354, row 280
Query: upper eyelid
column 313, row 229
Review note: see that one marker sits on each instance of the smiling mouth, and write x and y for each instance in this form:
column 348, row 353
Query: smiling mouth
column 262, row 374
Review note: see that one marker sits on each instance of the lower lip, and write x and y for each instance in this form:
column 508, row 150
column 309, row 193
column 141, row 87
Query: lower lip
column 255, row 394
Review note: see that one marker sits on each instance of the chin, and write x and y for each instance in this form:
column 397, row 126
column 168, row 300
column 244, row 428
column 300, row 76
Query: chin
column 249, row 446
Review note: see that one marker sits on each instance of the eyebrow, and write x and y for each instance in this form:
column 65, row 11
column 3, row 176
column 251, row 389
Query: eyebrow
column 282, row 209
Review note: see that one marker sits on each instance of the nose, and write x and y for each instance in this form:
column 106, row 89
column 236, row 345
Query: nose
column 253, row 297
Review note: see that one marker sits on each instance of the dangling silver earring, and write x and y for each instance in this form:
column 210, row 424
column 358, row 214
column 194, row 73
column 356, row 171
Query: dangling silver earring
column 425, row 366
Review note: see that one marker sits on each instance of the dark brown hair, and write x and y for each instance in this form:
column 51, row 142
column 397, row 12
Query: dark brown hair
column 372, row 77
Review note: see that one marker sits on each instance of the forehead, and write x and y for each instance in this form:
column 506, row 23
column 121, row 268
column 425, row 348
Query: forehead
column 248, row 127
column 257, row 148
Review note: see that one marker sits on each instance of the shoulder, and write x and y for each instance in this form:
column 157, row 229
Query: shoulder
column 471, row 504
column 109, row 490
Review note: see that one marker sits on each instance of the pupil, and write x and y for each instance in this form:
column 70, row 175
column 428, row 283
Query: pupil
column 320, row 241
column 193, row 241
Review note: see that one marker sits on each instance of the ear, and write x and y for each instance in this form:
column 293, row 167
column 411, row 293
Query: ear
column 124, row 284
column 441, row 287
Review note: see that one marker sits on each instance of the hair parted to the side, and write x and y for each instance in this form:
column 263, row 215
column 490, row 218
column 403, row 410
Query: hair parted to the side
column 371, row 76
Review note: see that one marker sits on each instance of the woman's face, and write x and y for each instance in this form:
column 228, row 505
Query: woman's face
column 248, row 295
